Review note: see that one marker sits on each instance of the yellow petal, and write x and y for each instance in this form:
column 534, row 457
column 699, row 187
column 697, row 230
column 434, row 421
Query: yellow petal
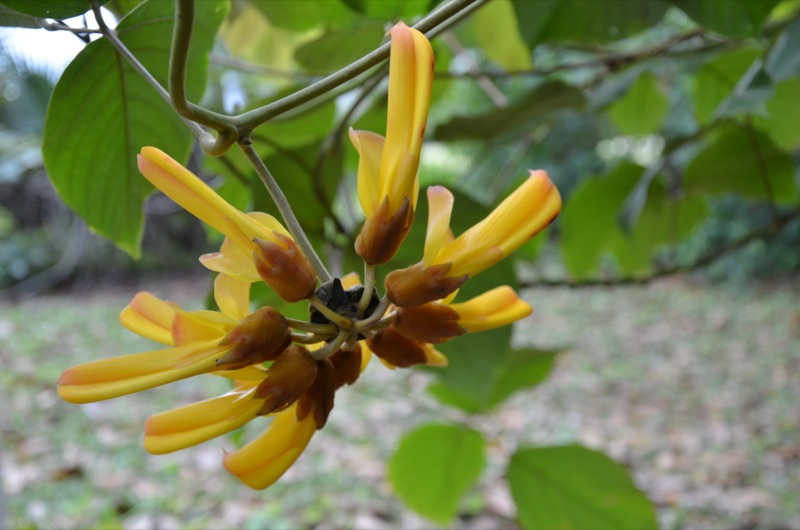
column 232, row 261
column 350, row 280
column 199, row 326
column 410, row 79
column 261, row 462
column 524, row 213
column 196, row 423
column 434, row 357
column 119, row 376
column 440, row 207
column 496, row 308
column 232, row 296
column 149, row 317
column 366, row 355
column 370, row 148
column 192, row 194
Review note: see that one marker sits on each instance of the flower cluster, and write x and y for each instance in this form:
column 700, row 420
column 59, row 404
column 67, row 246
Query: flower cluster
column 291, row 369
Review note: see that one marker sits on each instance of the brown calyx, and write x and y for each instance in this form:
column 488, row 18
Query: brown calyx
column 259, row 337
column 417, row 284
column 283, row 267
column 432, row 322
column 292, row 374
column 384, row 232
column 397, row 349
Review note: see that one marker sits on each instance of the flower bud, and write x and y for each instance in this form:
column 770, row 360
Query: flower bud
column 396, row 349
column 383, row 233
column 283, row 267
column 318, row 399
column 417, row 285
column 433, row 323
column 292, row 373
column 347, row 364
column 259, row 337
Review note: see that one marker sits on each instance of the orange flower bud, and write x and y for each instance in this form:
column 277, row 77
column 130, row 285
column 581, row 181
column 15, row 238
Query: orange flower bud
column 259, row 337
column 384, row 232
column 283, row 267
column 347, row 364
column 417, row 285
column 433, row 323
column 292, row 373
column 318, row 399
column 396, row 349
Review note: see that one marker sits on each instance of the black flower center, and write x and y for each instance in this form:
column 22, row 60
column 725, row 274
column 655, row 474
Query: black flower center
column 343, row 302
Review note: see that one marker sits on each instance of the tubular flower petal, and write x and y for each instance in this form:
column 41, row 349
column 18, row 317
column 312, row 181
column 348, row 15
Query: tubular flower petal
column 523, row 214
column 196, row 423
column 387, row 170
column 493, row 309
column 292, row 271
column 261, row 462
column 149, row 317
column 119, row 376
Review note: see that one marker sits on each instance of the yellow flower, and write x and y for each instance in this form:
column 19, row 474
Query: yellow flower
column 257, row 246
column 448, row 262
column 410, row 338
column 387, row 168
column 201, row 342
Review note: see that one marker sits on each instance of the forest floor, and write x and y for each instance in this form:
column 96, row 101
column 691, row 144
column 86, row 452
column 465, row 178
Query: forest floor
column 693, row 387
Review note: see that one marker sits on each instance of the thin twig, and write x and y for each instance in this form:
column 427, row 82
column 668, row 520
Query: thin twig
column 285, row 209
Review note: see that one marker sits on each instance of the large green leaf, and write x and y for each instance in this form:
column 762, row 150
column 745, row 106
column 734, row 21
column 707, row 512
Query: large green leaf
column 507, row 373
column 301, row 15
column 715, row 81
column 572, row 487
column 591, row 21
column 504, row 47
column 12, row 18
column 540, row 102
column 782, row 122
column 51, row 8
column 739, row 18
column 434, row 466
column 102, row 113
column 743, row 162
column 643, row 109
column 590, row 227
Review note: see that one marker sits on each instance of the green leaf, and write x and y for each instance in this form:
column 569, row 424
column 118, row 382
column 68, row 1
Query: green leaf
column 590, row 228
column 505, row 47
column 643, row 109
column 51, row 8
column 734, row 162
column 102, row 113
column 742, row 18
column 434, row 466
column 782, row 122
column 542, row 101
column 521, row 370
column 300, row 129
column 716, row 80
column 340, row 47
column 573, row 487
column 578, row 20
column 12, row 18
column 398, row 10
column 783, row 61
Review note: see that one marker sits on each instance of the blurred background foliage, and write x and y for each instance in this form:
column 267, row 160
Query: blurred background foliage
column 671, row 127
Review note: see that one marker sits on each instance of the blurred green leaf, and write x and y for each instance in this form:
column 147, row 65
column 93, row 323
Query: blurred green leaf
column 715, row 81
column 339, row 47
column 782, row 122
column 51, row 8
column 742, row 18
column 590, row 227
column 734, row 162
column 578, row 20
column 102, row 113
column 398, row 10
column 434, row 466
column 643, row 109
column 574, row 487
column 12, row 18
column 301, row 15
column 544, row 100
column 783, row 61
column 495, row 26
column 300, row 129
